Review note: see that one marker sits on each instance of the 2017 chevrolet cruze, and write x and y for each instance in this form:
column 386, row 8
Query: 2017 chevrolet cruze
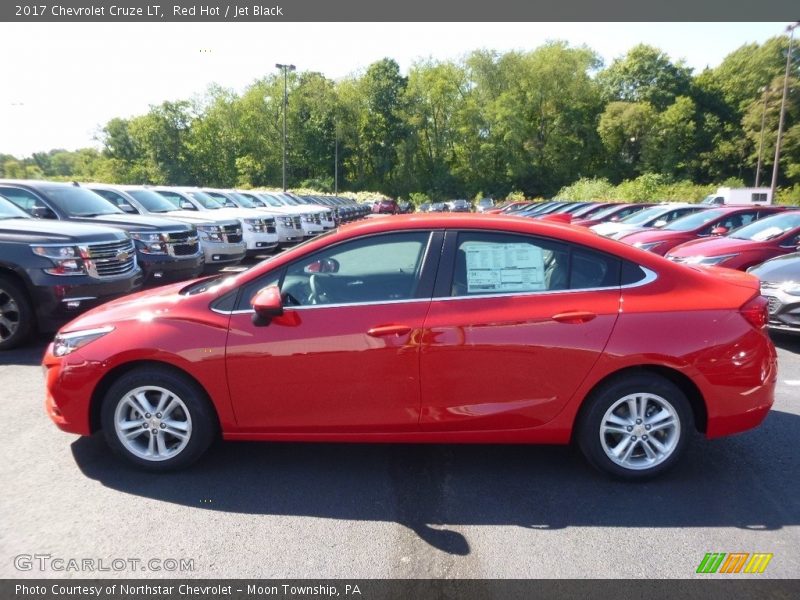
column 426, row 328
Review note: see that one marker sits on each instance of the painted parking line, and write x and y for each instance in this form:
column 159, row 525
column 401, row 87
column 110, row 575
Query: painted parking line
column 793, row 382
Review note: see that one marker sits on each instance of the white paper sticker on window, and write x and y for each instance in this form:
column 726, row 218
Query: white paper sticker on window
column 503, row 267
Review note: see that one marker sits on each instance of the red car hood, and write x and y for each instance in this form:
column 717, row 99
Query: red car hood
column 715, row 247
column 142, row 306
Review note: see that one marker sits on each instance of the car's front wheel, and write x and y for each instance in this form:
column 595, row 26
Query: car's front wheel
column 16, row 314
column 157, row 419
column 636, row 427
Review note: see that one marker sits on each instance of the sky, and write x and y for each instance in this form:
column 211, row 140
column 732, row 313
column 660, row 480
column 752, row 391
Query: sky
column 63, row 82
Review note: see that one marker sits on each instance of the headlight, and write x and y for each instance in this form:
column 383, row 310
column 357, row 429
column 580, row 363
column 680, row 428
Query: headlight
column 308, row 218
column 149, row 242
column 285, row 221
column 708, row 260
column 209, row 233
column 67, row 260
column 66, row 343
column 792, row 288
column 257, row 225
column 649, row 246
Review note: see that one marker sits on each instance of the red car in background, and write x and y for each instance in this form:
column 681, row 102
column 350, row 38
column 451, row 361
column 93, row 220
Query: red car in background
column 432, row 329
column 612, row 213
column 744, row 247
column 711, row 222
column 386, row 206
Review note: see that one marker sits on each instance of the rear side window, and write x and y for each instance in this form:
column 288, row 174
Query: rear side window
column 496, row 263
column 22, row 198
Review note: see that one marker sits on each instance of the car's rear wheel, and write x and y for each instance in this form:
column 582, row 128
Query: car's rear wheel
column 16, row 314
column 157, row 419
column 636, row 427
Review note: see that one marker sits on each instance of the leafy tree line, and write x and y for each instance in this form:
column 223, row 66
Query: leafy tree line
column 532, row 122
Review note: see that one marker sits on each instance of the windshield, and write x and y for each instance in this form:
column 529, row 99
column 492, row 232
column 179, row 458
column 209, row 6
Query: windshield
column 248, row 200
column 769, row 228
column 205, row 200
column 695, row 220
column 289, row 200
column 607, row 211
column 10, row 211
column 80, row 202
column 272, row 200
column 152, row 202
column 643, row 216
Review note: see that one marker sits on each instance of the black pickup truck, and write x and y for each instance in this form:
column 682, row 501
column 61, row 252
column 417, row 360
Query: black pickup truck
column 51, row 271
column 167, row 250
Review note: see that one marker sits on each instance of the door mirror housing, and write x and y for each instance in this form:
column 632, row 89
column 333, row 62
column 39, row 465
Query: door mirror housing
column 42, row 212
column 267, row 305
column 719, row 230
column 186, row 205
column 323, row 265
column 660, row 223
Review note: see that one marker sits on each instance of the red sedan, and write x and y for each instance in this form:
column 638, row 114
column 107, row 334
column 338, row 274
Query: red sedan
column 744, row 247
column 704, row 224
column 426, row 328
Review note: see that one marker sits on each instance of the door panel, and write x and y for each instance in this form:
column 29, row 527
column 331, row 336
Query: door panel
column 328, row 372
column 504, row 362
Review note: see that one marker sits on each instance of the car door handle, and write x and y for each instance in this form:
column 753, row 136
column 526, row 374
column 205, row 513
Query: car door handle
column 574, row 317
column 385, row 330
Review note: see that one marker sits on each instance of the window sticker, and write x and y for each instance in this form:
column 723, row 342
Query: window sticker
column 504, row 267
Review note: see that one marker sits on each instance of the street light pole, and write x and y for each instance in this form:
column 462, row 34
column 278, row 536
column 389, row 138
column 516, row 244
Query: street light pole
column 790, row 29
column 761, row 138
column 336, row 157
column 285, row 69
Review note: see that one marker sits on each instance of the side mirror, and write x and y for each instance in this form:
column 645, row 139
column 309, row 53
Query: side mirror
column 128, row 209
column 719, row 230
column 186, row 205
column 267, row 305
column 323, row 265
column 42, row 212
column 660, row 223
column 614, row 219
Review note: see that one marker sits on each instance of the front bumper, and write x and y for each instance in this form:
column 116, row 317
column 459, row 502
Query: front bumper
column 289, row 235
column 222, row 253
column 784, row 310
column 259, row 242
column 60, row 299
column 163, row 268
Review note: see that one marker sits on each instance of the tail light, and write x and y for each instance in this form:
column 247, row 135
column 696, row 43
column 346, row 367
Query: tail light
column 756, row 311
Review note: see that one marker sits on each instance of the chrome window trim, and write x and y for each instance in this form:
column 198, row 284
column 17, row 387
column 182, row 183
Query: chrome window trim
column 649, row 277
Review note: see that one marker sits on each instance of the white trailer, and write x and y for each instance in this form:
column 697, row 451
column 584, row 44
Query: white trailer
column 727, row 195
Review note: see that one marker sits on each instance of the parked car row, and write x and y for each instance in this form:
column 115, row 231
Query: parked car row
column 113, row 239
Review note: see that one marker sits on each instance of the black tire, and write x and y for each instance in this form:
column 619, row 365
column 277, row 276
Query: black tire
column 16, row 314
column 196, row 409
column 656, row 394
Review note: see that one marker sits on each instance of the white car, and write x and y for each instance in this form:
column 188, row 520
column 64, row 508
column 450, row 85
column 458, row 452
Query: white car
column 655, row 216
column 310, row 217
column 288, row 227
column 220, row 238
column 258, row 229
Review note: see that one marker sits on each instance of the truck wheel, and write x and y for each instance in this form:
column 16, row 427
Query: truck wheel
column 158, row 419
column 635, row 427
column 16, row 314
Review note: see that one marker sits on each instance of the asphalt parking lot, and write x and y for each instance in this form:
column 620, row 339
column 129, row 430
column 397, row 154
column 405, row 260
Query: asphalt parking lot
column 377, row 511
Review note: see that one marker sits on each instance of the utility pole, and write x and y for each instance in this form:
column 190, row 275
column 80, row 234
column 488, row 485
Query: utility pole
column 336, row 157
column 761, row 138
column 285, row 69
column 790, row 29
